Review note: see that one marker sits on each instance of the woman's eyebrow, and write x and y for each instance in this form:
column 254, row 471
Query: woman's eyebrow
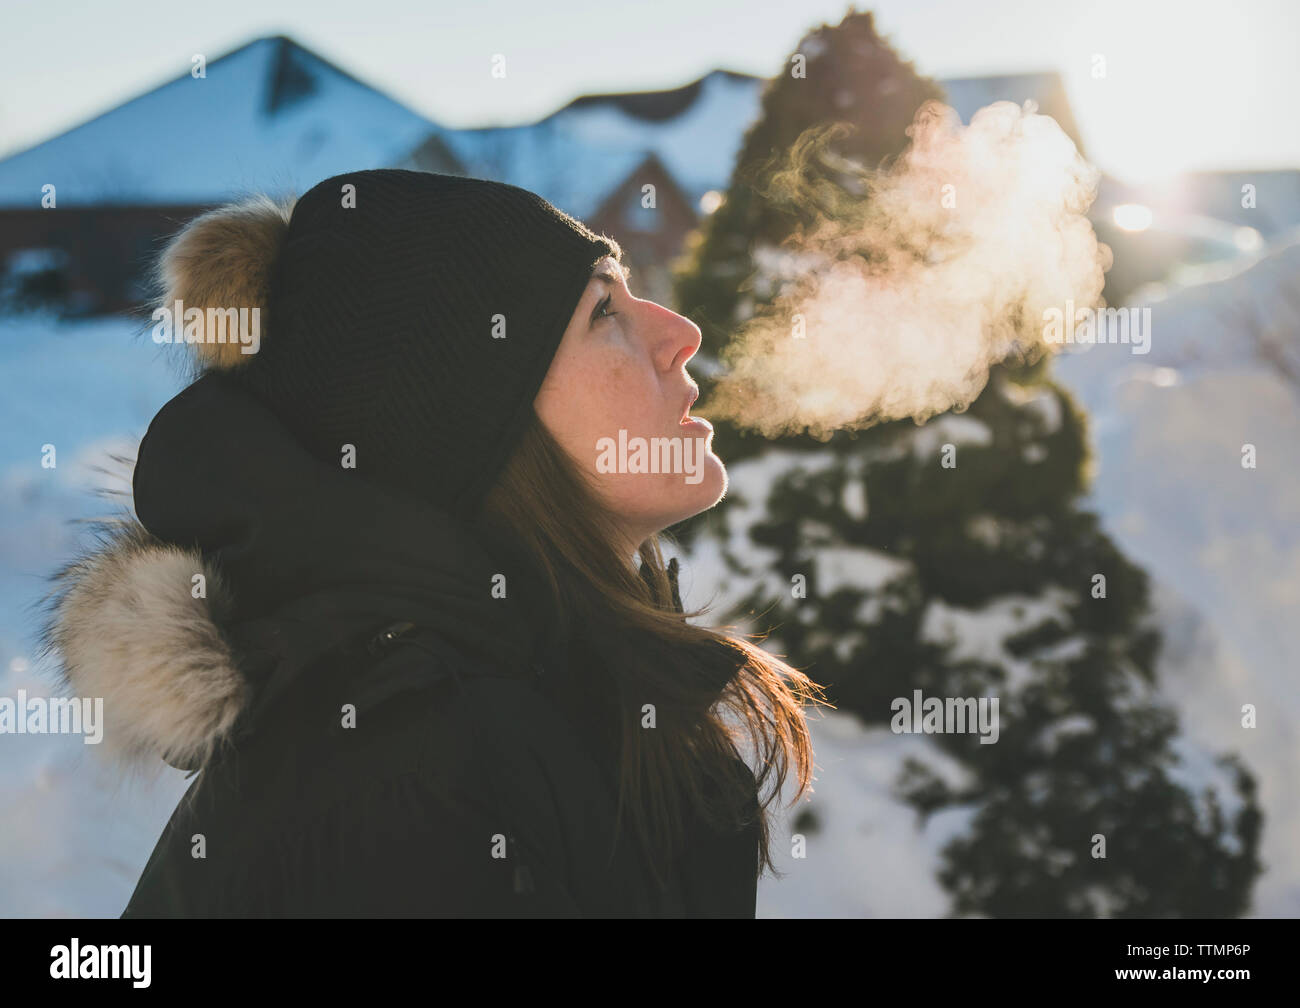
column 608, row 278
column 604, row 276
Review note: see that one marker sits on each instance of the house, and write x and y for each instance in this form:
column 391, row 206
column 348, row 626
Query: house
column 103, row 197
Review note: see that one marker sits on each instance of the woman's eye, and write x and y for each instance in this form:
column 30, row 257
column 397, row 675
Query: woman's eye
column 603, row 306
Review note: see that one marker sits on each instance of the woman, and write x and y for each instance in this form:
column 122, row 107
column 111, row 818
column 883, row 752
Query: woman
column 380, row 590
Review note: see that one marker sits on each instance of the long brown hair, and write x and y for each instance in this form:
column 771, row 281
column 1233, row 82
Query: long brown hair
column 637, row 649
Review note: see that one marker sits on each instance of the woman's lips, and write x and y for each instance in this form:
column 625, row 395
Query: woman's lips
column 698, row 423
column 691, row 396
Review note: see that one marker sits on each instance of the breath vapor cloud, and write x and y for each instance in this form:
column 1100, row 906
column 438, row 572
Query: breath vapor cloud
column 915, row 279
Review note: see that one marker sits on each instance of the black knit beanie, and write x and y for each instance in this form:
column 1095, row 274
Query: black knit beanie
column 411, row 315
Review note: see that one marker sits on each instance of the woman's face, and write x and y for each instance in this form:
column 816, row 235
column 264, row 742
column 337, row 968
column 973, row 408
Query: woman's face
column 615, row 398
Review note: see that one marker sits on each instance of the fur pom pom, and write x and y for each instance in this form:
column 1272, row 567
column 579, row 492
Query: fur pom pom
column 224, row 260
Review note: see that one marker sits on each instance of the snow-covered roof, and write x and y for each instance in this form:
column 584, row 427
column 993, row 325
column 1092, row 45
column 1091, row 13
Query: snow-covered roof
column 575, row 157
column 274, row 117
column 270, row 116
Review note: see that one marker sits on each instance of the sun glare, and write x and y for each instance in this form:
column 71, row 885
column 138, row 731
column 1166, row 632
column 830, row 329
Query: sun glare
column 1132, row 217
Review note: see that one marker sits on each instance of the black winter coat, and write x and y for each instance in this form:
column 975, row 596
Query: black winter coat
column 388, row 739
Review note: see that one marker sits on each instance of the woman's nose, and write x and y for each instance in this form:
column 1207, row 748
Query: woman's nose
column 677, row 337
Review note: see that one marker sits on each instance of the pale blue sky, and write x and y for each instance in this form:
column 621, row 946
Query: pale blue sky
column 1189, row 84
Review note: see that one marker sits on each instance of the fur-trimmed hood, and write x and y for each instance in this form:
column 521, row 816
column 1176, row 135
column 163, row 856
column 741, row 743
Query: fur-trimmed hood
column 128, row 626
column 245, row 560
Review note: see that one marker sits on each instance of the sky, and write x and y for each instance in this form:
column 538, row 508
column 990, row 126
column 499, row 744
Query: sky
column 1187, row 85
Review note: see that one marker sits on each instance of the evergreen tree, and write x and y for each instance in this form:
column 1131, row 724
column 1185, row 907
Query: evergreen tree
column 954, row 558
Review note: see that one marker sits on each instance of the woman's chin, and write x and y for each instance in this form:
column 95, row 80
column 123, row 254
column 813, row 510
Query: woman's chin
column 671, row 499
column 716, row 475
column 709, row 490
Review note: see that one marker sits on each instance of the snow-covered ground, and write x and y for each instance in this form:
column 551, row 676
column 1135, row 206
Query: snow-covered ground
column 73, row 839
column 867, row 856
column 1222, row 540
